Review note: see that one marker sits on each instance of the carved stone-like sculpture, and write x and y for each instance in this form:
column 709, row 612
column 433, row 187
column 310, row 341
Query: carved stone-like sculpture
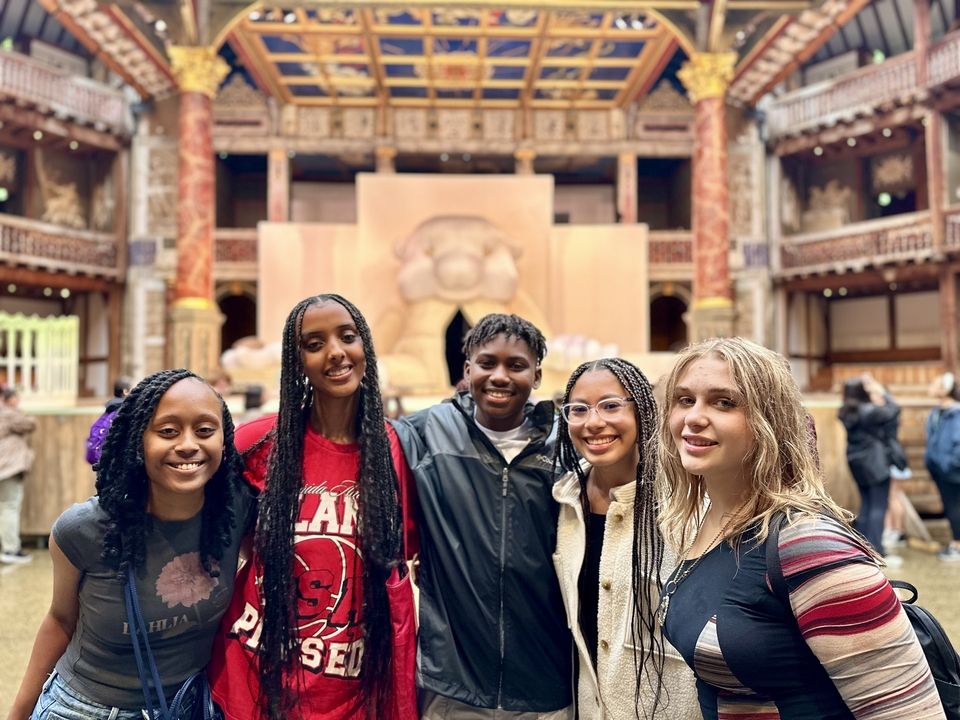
column 449, row 263
column 828, row 208
column 62, row 204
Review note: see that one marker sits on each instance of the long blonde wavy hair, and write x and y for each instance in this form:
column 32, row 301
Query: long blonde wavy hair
column 782, row 466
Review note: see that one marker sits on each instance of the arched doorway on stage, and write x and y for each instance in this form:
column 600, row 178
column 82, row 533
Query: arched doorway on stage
column 453, row 346
column 668, row 307
column 238, row 303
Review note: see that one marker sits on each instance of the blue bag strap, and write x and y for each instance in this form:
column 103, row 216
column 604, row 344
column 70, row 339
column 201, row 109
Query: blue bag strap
column 138, row 633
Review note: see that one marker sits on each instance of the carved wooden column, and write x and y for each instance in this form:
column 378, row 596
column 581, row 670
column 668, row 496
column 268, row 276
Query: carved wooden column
column 278, row 185
column 921, row 39
column 386, row 156
column 627, row 187
column 194, row 317
column 933, row 144
column 524, row 158
column 706, row 77
column 949, row 318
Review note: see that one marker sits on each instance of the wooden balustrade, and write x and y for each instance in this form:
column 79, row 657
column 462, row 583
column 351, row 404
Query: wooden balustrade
column 943, row 64
column 670, row 255
column 951, row 238
column 33, row 83
column 52, row 247
column 906, row 237
column 236, row 245
column 846, row 98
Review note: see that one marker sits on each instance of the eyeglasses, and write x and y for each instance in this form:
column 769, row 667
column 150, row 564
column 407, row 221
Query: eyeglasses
column 608, row 410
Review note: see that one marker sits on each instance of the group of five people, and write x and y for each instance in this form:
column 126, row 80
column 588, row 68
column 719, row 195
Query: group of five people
column 606, row 561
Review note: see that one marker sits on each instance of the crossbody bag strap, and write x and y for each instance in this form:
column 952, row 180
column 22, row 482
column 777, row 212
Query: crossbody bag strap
column 778, row 583
column 144, row 655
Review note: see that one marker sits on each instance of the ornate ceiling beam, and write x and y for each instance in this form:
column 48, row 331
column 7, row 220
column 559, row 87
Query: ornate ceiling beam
column 118, row 44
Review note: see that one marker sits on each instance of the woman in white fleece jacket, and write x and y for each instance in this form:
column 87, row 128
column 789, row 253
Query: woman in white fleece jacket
column 609, row 551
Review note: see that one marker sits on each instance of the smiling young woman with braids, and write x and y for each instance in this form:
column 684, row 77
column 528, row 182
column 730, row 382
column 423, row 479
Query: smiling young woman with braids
column 170, row 506
column 610, row 551
column 310, row 633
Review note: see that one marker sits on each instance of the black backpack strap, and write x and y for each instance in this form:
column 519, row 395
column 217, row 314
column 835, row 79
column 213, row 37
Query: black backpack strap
column 904, row 585
column 778, row 583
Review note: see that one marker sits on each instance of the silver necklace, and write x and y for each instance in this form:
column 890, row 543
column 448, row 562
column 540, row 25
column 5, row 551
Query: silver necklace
column 671, row 587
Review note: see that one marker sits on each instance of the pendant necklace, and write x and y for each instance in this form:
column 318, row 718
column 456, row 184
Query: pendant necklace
column 671, row 587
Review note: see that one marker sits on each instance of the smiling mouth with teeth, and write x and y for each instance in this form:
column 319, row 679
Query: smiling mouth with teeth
column 600, row 441
column 499, row 393
column 186, row 466
column 699, row 442
column 339, row 371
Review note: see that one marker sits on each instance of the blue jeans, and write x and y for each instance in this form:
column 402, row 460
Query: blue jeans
column 59, row 701
column 873, row 507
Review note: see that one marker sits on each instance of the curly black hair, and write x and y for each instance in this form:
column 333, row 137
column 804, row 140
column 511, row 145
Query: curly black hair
column 122, row 482
column 647, row 553
column 489, row 326
column 380, row 523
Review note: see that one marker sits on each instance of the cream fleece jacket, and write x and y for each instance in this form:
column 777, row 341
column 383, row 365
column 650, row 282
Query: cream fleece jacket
column 607, row 693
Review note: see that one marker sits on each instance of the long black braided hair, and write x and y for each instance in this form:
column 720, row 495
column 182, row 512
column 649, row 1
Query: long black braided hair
column 647, row 549
column 123, row 485
column 379, row 523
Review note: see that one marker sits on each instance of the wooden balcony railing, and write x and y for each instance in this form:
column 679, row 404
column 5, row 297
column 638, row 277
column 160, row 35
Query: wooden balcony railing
column 856, row 94
column 670, row 253
column 951, row 238
column 52, row 247
column 853, row 247
column 236, row 245
column 34, row 83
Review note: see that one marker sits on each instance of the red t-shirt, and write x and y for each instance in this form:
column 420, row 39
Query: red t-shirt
column 329, row 577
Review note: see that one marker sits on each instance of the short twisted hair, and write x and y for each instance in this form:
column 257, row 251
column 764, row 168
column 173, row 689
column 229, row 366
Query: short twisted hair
column 509, row 326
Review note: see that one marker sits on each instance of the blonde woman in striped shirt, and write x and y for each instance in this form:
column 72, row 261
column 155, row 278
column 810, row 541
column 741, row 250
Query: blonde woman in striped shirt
column 734, row 434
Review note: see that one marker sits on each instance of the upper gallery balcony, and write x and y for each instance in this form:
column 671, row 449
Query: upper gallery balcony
column 864, row 92
column 897, row 240
column 33, row 84
column 54, row 248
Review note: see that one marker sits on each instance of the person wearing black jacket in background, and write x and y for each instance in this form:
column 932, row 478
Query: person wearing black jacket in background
column 866, row 413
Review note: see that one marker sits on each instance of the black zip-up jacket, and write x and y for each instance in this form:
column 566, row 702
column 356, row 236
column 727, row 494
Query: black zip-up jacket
column 493, row 632
column 868, row 449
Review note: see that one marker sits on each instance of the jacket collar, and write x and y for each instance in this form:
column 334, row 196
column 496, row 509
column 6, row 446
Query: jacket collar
column 567, row 489
column 540, row 415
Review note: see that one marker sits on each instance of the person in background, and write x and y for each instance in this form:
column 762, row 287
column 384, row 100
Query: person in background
column 100, row 427
column 866, row 413
column 942, row 456
column 779, row 607
column 609, row 555
column 16, row 458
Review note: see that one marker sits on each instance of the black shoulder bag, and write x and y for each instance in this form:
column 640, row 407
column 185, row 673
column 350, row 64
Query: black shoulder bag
column 147, row 668
column 940, row 654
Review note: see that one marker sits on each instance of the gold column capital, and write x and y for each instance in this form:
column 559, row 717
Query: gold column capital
column 198, row 69
column 707, row 75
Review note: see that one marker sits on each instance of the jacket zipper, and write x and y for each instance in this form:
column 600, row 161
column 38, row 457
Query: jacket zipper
column 503, row 555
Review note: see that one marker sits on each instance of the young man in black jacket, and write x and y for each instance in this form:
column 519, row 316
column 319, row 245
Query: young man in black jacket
column 493, row 636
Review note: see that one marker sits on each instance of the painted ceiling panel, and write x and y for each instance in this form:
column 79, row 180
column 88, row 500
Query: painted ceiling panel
column 429, row 56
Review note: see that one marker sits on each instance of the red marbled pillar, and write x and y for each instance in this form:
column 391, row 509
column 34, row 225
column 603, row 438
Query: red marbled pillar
column 711, row 204
column 196, row 211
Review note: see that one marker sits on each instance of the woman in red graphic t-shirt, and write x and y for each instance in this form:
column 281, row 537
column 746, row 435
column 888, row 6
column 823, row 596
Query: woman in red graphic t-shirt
column 321, row 625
